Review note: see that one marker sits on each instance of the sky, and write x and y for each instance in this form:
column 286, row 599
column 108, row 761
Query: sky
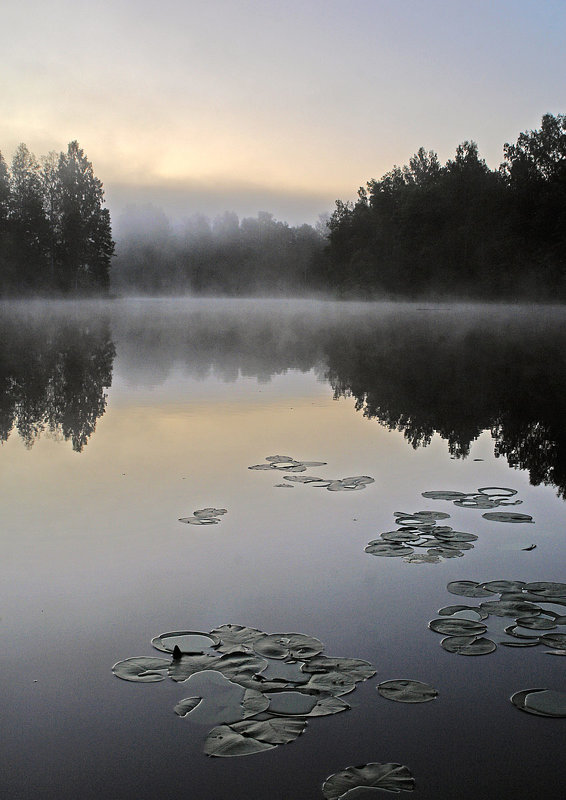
column 272, row 105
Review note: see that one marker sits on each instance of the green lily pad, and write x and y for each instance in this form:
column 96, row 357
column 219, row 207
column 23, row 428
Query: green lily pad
column 477, row 501
column 389, row 777
column 400, row 536
column 279, row 459
column 539, row 623
column 350, row 484
column 512, row 631
column 445, row 552
column 254, row 702
column 547, row 588
column 507, row 516
column 327, row 704
column 541, row 702
column 407, row 691
column 467, row 589
column 142, row 669
column 355, row 669
column 188, row 642
column 378, row 547
column 455, row 536
column 187, row 705
column 297, row 646
column 555, row 640
column 449, row 626
column 468, row 645
column 520, row 643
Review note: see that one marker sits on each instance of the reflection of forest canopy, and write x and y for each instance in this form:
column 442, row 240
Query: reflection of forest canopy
column 460, row 229
column 52, row 378
column 425, row 377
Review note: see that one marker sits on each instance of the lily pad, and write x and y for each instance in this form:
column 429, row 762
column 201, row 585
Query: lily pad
column 400, row 536
column 327, row 704
column 378, row 547
column 335, row 683
column 468, row 589
column 468, row 645
column 389, row 777
column 449, row 626
column 454, row 536
column 187, row 705
column 302, row 479
column 547, row 588
column 254, row 702
column 423, row 558
column 224, row 742
column 199, row 520
column 142, row 669
column 291, row 704
column 445, row 495
column 182, row 668
column 507, row 516
column 470, row 611
column 235, row 636
column 497, row 491
column 354, row 668
column 539, row 623
column 288, row 645
column 252, row 736
column 188, row 642
column 497, row 587
column 509, row 608
column 241, row 668
column 206, row 513
column 555, row 640
column 541, row 702
column 407, row 691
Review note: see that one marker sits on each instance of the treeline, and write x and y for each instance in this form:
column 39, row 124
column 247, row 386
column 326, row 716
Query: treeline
column 55, row 236
column 458, row 229
column 227, row 255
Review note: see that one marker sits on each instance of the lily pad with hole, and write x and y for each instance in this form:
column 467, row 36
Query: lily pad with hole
column 507, row 516
column 403, row 690
column 450, row 626
column 389, row 777
column 468, row 589
column 187, row 705
column 142, row 669
column 378, row 547
column 188, row 642
column 296, row 646
column 468, row 645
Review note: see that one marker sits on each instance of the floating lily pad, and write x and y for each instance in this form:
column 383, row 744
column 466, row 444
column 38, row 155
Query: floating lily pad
column 400, row 536
column 449, row 626
column 303, row 479
column 497, row 587
column 142, row 669
column 407, row 691
column 497, row 491
column 235, row 636
column 241, row 668
column 547, row 588
column 291, row 704
column 445, row 495
column 555, row 640
column 252, row 736
column 350, row 484
column 188, row 642
column 539, row 623
column 454, row 536
column 509, row 608
column 423, row 558
column 335, row 683
column 199, row 520
column 182, row 668
column 288, row 645
column 476, row 611
column 254, row 702
column 467, row 589
column 378, row 547
column 520, row 643
column 205, row 513
column 477, row 501
column 507, row 516
column 389, row 777
column 354, row 668
column 541, row 702
column 279, row 459
column 224, row 742
column 468, row 645
column 283, row 486
column 327, row 704
column 187, row 705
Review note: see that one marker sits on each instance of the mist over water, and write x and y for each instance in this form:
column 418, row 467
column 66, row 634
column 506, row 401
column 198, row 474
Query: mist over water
column 120, row 417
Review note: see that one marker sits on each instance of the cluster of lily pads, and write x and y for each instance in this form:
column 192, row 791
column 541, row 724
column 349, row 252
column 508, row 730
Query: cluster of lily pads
column 204, row 516
column 419, row 530
column 288, row 464
column 487, row 497
column 354, row 782
column 269, row 684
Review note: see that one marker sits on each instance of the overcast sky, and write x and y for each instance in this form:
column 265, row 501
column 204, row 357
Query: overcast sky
column 277, row 105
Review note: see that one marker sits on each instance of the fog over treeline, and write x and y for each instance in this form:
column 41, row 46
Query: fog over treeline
column 422, row 230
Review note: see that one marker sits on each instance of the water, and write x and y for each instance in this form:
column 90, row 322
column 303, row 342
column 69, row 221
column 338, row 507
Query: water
column 120, row 418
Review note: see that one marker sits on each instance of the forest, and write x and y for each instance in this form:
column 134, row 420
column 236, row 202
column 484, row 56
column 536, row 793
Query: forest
column 422, row 230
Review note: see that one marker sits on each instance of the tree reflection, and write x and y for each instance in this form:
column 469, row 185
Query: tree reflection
column 458, row 378
column 52, row 377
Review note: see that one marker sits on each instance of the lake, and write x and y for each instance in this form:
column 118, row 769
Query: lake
column 120, row 418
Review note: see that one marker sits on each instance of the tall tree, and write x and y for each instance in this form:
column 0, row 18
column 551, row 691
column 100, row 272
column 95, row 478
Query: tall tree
column 85, row 244
column 4, row 224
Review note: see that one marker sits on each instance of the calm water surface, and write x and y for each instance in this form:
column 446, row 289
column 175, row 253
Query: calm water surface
column 118, row 419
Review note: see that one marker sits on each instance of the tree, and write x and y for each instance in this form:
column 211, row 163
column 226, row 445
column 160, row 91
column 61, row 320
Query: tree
column 4, row 223
column 85, row 245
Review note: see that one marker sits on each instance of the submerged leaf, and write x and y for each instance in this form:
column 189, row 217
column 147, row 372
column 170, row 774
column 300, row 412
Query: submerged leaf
column 407, row 691
column 389, row 777
column 142, row 669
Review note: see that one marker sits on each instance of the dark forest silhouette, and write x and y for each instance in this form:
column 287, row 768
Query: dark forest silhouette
column 457, row 230
column 55, row 236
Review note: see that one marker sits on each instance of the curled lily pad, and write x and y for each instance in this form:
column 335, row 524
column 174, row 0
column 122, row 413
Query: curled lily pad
column 407, row 691
column 467, row 589
column 199, row 520
column 187, row 705
column 445, row 495
column 378, row 547
column 354, row 668
column 541, row 702
column 303, row 479
column 468, row 645
column 288, row 645
column 142, row 669
column 507, row 516
column 235, row 636
column 512, row 631
column 497, row 491
column 449, row 626
column 389, row 777
column 188, row 642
